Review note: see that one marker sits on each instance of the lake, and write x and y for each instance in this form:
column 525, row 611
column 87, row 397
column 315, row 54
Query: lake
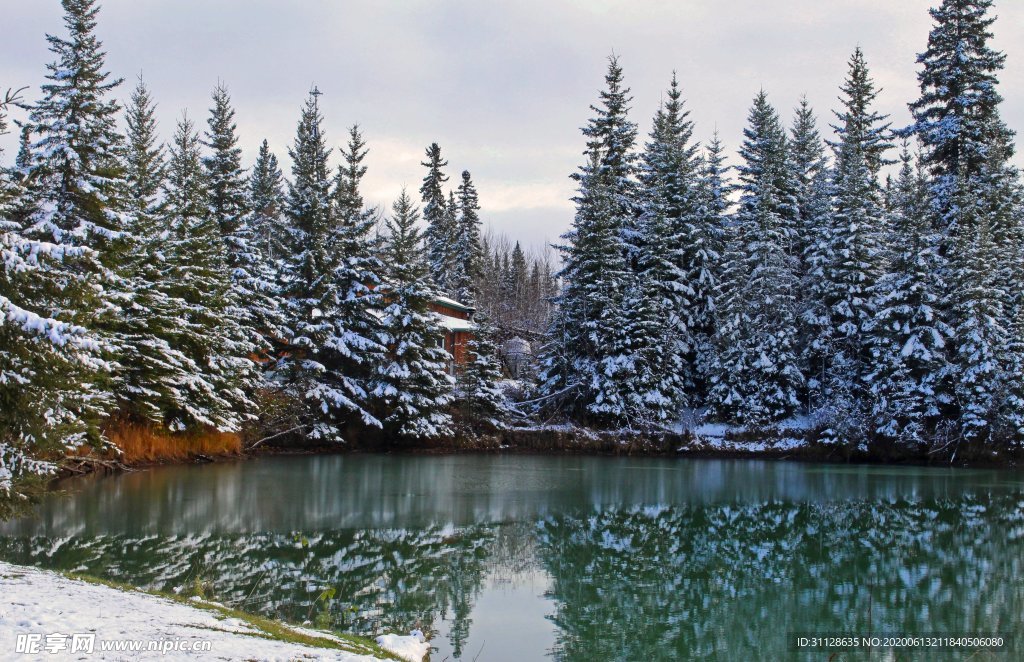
column 518, row 557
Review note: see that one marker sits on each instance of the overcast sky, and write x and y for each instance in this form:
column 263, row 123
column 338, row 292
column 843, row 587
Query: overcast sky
column 503, row 87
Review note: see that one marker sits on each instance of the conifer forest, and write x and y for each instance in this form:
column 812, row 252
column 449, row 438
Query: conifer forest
column 832, row 269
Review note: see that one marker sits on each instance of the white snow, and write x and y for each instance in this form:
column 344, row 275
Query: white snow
column 412, row 647
column 46, row 603
column 454, row 323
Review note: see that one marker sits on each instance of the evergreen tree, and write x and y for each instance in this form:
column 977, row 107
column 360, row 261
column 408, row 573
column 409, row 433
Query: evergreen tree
column 224, row 173
column 348, row 200
column 587, row 363
column 414, row 386
column 481, row 400
column 441, row 233
column 325, row 368
column 46, row 364
column 674, row 243
column 957, row 115
column 757, row 377
column 712, row 214
column 612, row 136
column 252, row 290
column 72, row 198
column 468, row 252
column 854, row 245
column 909, row 336
column 972, row 189
column 810, row 172
column 215, row 392
column 266, row 202
column 149, row 385
column 812, row 176
column 976, row 306
column 1002, row 203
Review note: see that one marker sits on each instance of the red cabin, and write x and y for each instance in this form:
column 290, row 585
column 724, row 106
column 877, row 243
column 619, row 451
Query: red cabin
column 457, row 321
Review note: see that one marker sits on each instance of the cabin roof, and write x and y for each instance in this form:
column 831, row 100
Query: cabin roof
column 454, row 323
column 452, row 303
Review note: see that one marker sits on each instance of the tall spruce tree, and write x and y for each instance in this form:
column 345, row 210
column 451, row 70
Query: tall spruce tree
column 812, row 176
column 908, row 338
column 75, row 179
column 854, row 240
column 149, row 384
column 257, row 307
column 757, row 378
column 46, row 364
column 674, row 245
column 441, row 232
column 587, row 364
column 414, row 388
column 359, row 271
column 324, row 368
column 967, row 147
column 266, row 204
column 468, row 251
column 957, row 115
column 810, row 170
column 976, row 374
column 216, row 392
column 348, row 199
column 712, row 214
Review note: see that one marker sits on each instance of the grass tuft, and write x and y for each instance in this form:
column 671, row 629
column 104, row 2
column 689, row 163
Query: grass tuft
column 142, row 443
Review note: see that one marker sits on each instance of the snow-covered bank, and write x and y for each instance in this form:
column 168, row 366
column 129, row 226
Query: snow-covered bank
column 72, row 616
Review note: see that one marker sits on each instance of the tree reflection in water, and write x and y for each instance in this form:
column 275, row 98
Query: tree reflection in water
column 642, row 583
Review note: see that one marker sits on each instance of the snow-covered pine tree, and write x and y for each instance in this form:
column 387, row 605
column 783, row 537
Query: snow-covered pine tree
column 45, row 364
column 224, row 173
column 967, row 147
column 517, row 284
column 975, row 371
column 712, row 213
column 414, row 389
column 252, row 287
column 812, row 176
column 209, row 334
column 957, row 115
column 148, row 384
column 468, row 251
column 440, row 234
column 908, row 337
column 585, row 373
column 324, row 368
column 1002, row 202
column 348, row 199
column 757, row 378
column 613, row 136
column 358, row 273
column 673, row 242
column 266, row 202
column 484, row 405
column 23, row 161
column 854, row 250
column 74, row 183
column 810, row 172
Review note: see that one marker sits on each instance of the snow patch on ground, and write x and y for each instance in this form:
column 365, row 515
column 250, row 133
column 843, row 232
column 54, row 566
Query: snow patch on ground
column 39, row 602
column 412, row 647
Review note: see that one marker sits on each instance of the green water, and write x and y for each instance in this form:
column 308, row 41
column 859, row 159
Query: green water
column 575, row 558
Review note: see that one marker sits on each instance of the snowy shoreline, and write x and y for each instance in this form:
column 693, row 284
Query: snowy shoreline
column 64, row 612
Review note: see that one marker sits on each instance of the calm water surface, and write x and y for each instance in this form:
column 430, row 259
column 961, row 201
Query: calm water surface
column 574, row 558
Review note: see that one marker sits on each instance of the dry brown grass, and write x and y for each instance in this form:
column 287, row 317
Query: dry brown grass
column 146, row 443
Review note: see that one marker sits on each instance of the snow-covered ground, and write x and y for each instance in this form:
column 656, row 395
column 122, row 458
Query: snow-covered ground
column 58, row 618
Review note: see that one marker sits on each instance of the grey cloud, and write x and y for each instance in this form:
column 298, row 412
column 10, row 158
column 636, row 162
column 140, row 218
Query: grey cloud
column 502, row 86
